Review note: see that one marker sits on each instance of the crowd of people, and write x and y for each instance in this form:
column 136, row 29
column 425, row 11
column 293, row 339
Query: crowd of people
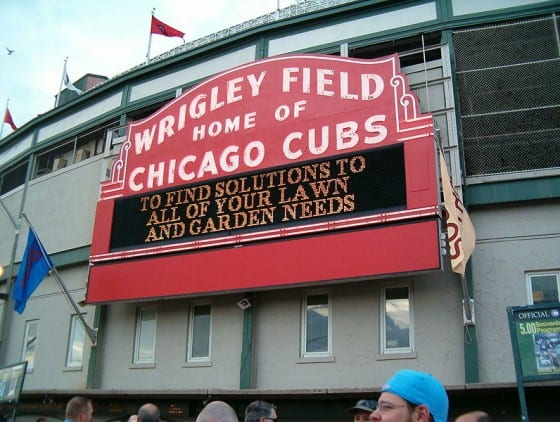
column 408, row 396
column 411, row 396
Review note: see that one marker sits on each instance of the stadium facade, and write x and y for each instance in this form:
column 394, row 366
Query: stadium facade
column 208, row 270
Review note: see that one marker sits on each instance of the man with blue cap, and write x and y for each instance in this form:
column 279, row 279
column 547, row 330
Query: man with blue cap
column 412, row 396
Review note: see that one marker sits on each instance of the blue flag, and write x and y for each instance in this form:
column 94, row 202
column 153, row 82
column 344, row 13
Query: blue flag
column 33, row 268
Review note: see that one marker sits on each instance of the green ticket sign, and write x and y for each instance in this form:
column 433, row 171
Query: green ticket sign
column 535, row 333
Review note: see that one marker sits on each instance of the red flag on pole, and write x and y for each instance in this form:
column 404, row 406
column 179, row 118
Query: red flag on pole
column 160, row 28
column 8, row 119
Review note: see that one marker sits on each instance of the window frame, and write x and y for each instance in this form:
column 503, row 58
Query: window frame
column 76, row 327
column 383, row 349
column 14, row 176
column 529, row 284
column 26, row 341
column 304, row 310
column 136, row 358
column 191, row 333
column 90, row 142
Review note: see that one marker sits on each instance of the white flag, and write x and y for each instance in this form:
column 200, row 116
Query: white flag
column 460, row 231
column 69, row 85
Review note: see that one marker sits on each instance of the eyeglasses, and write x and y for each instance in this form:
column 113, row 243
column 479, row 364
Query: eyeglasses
column 387, row 407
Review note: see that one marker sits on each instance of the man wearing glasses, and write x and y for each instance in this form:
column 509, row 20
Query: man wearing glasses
column 260, row 411
column 412, row 396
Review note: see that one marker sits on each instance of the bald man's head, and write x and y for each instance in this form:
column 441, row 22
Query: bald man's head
column 217, row 411
column 148, row 412
column 474, row 416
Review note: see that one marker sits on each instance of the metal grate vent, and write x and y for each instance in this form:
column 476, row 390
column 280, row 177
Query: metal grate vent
column 509, row 91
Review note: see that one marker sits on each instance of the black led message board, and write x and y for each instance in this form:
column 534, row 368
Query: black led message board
column 365, row 183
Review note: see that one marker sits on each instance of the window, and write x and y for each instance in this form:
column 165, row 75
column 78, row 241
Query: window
column 199, row 333
column 75, row 353
column 396, row 320
column 54, row 159
column 73, row 150
column 30, row 343
column 92, row 143
column 145, row 340
column 316, row 326
column 543, row 287
column 13, row 177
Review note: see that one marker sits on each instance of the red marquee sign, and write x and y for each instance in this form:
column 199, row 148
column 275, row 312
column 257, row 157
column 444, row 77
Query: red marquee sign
column 276, row 163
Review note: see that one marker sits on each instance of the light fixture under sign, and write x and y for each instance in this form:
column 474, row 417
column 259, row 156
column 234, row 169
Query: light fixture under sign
column 244, row 303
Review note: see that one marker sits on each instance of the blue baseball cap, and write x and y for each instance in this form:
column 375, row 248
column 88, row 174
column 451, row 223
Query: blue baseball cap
column 420, row 388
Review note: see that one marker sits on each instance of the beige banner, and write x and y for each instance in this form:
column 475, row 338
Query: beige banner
column 460, row 231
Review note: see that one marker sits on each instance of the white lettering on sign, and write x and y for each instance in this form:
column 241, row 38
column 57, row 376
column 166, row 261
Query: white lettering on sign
column 280, row 112
column 347, row 136
column 371, row 84
column 169, row 125
column 192, row 167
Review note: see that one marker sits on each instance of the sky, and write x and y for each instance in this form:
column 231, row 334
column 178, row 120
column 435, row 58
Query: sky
column 102, row 37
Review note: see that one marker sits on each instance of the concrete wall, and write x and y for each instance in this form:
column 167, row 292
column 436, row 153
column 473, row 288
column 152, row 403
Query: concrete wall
column 61, row 207
column 511, row 241
column 277, row 327
column 54, row 313
column 357, row 362
column 170, row 370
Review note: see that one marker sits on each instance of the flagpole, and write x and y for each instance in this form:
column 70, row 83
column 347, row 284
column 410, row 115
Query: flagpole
column 92, row 333
column 467, row 300
column 150, row 39
column 4, row 315
column 13, row 221
column 61, row 83
column 4, row 118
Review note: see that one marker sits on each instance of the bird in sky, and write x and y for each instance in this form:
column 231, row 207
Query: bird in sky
column 10, row 52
